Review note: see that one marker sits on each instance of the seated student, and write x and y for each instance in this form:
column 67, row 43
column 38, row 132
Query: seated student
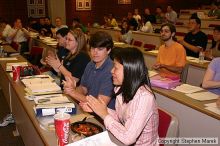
column 47, row 27
column 5, row 30
column 135, row 120
column 171, row 15
column 214, row 12
column 126, row 33
column 211, row 80
column 214, row 51
column 171, row 58
column 194, row 41
column 75, row 62
column 62, row 52
column 76, row 24
column 97, row 78
column 19, row 35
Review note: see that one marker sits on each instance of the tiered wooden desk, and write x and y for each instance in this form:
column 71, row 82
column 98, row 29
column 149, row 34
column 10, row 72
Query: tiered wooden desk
column 22, row 109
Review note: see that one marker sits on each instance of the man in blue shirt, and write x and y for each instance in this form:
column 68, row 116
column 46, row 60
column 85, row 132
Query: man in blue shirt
column 97, row 78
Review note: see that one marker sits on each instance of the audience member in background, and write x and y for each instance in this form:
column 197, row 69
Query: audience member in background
column 160, row 16
column 195, row 40
column 137, row 16
column 134, row 101
column 19, row 36
column 33, row 24
column 58, row 25
column 97, row 78
column 147, row 16
column 113, row 22
column 214, row 51
column 42, row 30
column 171, row 15
column 76, row 24
column 5, row 30
column 48, row 27
column 171, row 58
column 106, row 21
column 125, row 35
column 74, row 63
column 211, row 80
column 214, row 11
column 132, row 21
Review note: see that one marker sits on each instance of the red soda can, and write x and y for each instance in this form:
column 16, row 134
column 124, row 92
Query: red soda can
column 62, row 126
column 16, row 72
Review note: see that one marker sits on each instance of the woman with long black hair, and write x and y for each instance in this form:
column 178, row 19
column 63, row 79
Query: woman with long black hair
column 135, row 118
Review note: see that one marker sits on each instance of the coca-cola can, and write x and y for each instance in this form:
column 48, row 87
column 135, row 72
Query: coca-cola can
column 62, row 126
column 16, row 72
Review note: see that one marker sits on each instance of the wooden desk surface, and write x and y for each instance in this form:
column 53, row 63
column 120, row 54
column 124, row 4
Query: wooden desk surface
column 26, row 121
column 183, row 99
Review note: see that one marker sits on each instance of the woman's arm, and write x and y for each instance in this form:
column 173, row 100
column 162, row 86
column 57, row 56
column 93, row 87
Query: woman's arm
column 208, row 81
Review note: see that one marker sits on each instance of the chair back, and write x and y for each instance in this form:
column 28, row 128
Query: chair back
column 149, row 47
column 137, row 43
column 168, row 125
column 184, row 73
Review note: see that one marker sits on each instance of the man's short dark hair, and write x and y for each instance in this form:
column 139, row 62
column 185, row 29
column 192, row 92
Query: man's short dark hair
column 63, row 31
column 196, row 18
column 101, row 39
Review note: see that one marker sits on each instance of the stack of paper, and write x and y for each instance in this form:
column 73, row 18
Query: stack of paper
column 186, row 88
column 152, row 73
column 196, row 60
column 202, row 96
column 52, row 109
column 212, row 107
column 40, row 84
column 8, row 58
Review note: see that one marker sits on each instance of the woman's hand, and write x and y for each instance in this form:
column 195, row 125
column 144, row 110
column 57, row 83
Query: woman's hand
column 98, row 106
column 69, row 85
column 54, row 62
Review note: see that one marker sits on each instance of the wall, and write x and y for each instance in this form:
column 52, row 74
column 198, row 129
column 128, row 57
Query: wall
column 56, row 8
column 101, row 7
column 12, row 9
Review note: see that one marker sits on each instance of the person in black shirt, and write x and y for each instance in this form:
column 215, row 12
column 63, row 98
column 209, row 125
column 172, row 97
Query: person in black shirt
column 147, row 16
column 75, row 62
column 195, row 40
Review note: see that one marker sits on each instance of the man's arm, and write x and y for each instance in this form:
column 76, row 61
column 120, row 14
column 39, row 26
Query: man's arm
column 172, row 68
column 190, row 47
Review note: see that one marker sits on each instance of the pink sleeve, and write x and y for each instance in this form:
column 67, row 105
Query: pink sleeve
column 113, row 114
column 141, row 111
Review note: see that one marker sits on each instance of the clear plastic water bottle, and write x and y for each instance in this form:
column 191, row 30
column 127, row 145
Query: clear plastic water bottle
column 2, row 53
column 201, row 57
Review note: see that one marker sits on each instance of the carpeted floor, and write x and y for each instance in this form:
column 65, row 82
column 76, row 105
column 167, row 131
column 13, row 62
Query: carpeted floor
column 6, row 135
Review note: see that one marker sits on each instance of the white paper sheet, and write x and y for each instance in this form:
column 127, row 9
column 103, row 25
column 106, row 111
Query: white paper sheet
column 152, row 73
column 213, row 109
column 213, row 104
column 154, row 51
column 202, row 96
column 101, row 139
column 8, row 58
column 186, row 88
column 196, row 60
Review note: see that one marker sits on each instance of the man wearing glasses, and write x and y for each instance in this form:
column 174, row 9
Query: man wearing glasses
column 171, row 56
